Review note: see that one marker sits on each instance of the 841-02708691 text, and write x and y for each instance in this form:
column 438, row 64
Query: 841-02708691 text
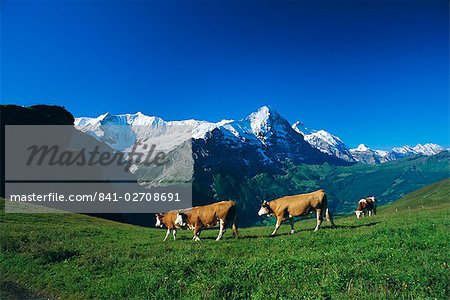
column 140, row 197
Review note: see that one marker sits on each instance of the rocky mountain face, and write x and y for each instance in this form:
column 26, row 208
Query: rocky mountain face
column 368, row 156
column 262, row 141
column 258, row 142
column 325, row 142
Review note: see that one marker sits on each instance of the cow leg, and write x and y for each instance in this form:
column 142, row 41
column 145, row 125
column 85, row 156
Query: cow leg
column 167, row 235
column 370, row 213
column 329, row 217
column 276, row 226
column 319, row 218
column 196, row 234
column 291, row 221
column 221, row 230
column 174, row 232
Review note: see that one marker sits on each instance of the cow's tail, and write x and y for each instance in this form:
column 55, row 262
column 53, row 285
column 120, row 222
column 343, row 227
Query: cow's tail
column 234, row 229
column 233, row 218
column 328, row 216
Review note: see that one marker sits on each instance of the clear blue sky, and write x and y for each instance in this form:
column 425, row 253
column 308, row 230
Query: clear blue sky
column 369, row 71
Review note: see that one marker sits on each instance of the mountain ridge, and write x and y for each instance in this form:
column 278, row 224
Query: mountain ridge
column 264, row 128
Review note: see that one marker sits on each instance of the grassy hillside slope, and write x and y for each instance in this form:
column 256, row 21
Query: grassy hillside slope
column 431, row 196
column 400, row 254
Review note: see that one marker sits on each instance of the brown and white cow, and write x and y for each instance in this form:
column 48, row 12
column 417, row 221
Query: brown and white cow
column 286, row 208
column 168, row 220
column 366, row 205
column 206, row 216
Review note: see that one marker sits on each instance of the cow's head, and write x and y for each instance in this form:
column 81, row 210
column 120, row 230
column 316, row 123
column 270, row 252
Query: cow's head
column 265, row 209
column 159, row 222
column 359, row 213
column 181, row 220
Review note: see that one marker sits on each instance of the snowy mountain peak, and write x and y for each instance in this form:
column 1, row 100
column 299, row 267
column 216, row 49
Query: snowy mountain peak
column 382, row 153
column 265, row 121
column 364, row 154
column 324, row 141
column 266, row 109
column 301, row 128
column 123, row 119
column 89, row 121
column 405, row 150
column 362, row 148
column 333, row 145
column 101, row 117
column 262, row 115
column 330, row 138
column 428, row 149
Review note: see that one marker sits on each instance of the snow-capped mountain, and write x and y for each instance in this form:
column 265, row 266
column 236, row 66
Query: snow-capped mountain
column 401, row 152
column 428, row 149
column 121, row 132
column 259, row 142
column 333, row 145
column 324, row 141
column 368, row 156
column 259, row 128
column 405, row 151
column 264, row 138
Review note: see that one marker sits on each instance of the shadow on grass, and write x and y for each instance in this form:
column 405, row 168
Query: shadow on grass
column 356, row 226
column 305, row 230
column 11, row 290
column 254, row 236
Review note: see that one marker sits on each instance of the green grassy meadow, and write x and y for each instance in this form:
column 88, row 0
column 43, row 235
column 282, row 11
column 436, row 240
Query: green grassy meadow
column 402, row 253
column 344, row 185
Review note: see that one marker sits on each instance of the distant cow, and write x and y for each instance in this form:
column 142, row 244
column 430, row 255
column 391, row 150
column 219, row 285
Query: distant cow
column 168, row 220
column 366, row 206
column 286, row 208
column 206, row 216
